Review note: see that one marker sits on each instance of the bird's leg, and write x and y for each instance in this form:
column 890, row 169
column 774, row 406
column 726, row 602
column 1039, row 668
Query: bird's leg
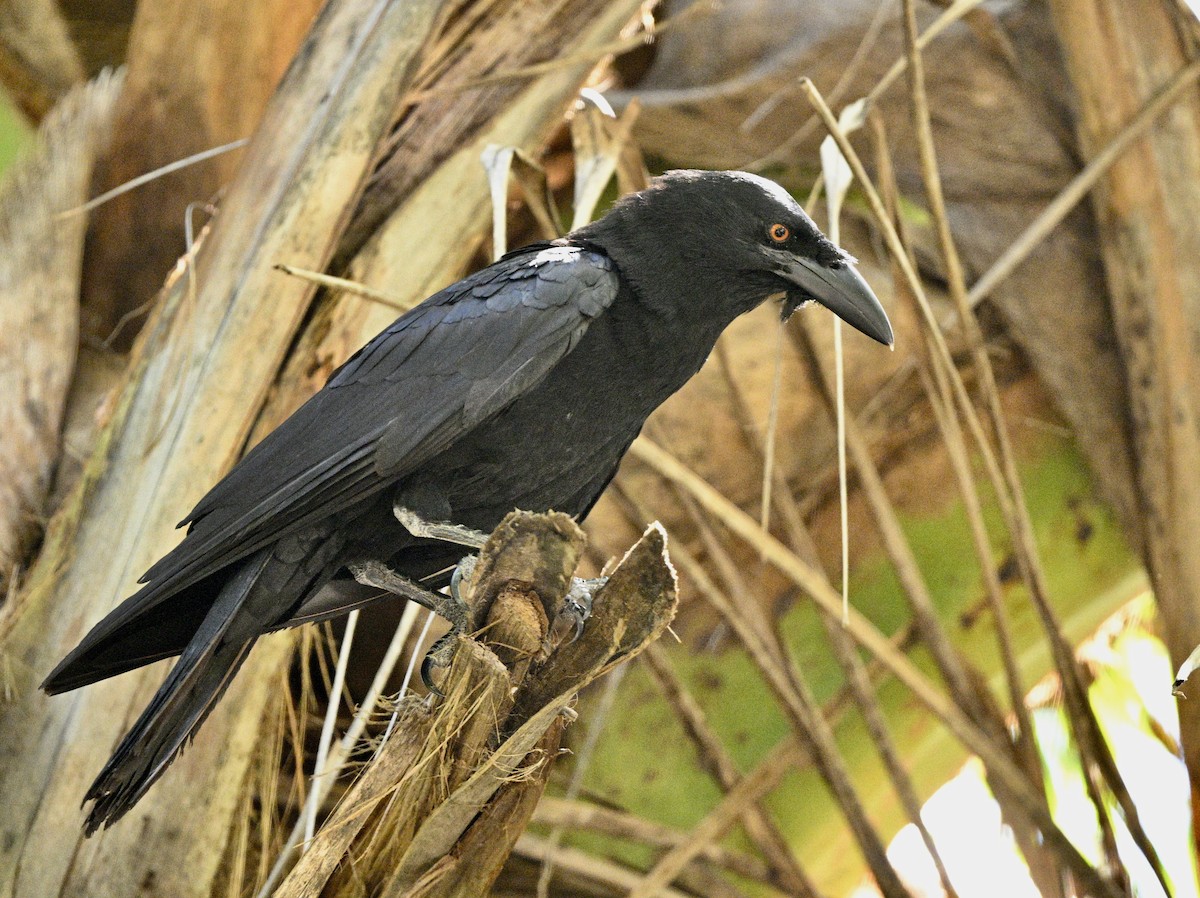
column 443, row 530
column 442, row 652
column 451, row 607
column 379, row 575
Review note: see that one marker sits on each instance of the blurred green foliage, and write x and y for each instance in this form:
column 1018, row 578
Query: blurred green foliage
column 646, row 763
column 14, row 132
column 1130, row 692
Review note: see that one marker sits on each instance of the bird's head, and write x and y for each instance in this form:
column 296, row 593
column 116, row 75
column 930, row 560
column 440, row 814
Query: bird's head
column 746, row 236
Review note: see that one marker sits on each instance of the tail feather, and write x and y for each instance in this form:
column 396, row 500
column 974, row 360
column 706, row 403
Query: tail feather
column 198, row 680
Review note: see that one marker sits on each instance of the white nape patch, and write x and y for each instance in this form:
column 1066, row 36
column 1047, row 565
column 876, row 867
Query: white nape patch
column 554, row 254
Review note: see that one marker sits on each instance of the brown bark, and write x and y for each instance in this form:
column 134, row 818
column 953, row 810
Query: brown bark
column 195, row 389
column 1119, row 55
column 199, row 75
column 506, row 38
column 40, row 256
column 38, row 62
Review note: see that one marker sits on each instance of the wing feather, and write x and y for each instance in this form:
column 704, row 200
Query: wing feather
column 438, row 371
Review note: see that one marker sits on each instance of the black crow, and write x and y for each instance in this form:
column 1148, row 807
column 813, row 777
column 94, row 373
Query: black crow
column 520, row 386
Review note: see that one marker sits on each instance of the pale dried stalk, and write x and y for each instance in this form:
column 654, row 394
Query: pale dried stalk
column 583, row 815
column 1079, row 187
column 810, row 725
column 956, row 280
column 940, row 354
column 956, row 447
column 786, row 872
column 782, row 497
column 955, row 442
column 866, row 635
column 1086, row 728
column 953, row 668
column 769, row 473
column 858, row 679
column 322, row 767
column 354, row 288
column 588, row 866
column 1043, row 868
column 160, row 172
column 950, row 664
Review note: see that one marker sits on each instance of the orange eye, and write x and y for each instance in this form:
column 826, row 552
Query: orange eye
column 779, row 233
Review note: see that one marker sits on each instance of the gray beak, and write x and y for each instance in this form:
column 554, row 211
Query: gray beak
column 842, row 290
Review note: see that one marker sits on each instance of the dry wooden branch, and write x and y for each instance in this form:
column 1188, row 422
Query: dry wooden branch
column 454, row 797
column 1117, row 57
column 38, row 62
column 194, row 389
column 1094, row 750
column 867, row 636
column 175, row 104
column 39, row 306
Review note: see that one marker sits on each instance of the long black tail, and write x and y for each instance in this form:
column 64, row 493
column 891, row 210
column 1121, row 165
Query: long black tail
column 199, row 678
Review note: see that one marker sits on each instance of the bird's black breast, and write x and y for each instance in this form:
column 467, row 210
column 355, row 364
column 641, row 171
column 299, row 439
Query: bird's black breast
column 559, row 443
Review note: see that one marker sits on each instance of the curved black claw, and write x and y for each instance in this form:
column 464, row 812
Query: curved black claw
column 427, row 665
column 441, row 654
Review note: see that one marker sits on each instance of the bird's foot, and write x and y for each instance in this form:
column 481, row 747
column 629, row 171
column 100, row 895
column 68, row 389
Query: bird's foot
column 441, row 653
column 577, row 606
column 451, row 607
column 443, row 530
